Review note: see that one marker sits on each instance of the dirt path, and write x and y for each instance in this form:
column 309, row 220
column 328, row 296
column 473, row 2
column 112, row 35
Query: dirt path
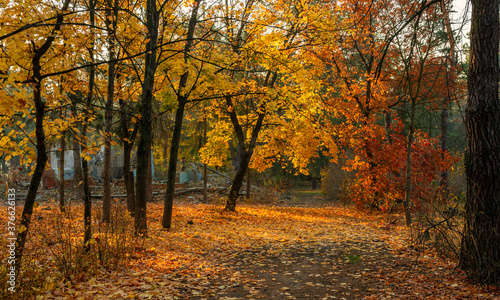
column 296, row 247
column 352, row 261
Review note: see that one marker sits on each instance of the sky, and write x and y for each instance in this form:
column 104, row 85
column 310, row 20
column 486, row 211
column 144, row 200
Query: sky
column 461, row 17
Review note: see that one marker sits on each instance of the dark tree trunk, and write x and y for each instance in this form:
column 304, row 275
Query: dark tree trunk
column 111, row 21
column 61, row 173
column 205, row 167
column 41, row 161
column 87, row 197
column 245, row 153
column 77, row 160
column 445, row 8
column 144, row 147
column 235, row 157
column 172, row 166
column 179, row 116
column 128, row 140
column 238, row 180
column 407, row 202
column 41, row 149
column 480, row 252
column 149, row 185
column 249, row 187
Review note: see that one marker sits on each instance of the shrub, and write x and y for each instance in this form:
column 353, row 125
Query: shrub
column 381, row 170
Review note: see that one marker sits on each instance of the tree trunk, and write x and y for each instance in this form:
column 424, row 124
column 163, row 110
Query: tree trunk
column 245, row 152
column 77, row 159
column 205, row 167
column 179, row 116
column 249, row 187
column 110, row 21
column 144, row 147
column 480, row 252
column 41, row 153
column 128, row 141
column 149, row 185
column 61, row 172
column 407, row 201
column 445, row 112
column 238, row 181
column 128, row 177
column 235, row 157
column 172, row 167
column 41, row 161
column 87, row 197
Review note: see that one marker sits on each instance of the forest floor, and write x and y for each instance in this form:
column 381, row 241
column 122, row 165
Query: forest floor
column 299, row 247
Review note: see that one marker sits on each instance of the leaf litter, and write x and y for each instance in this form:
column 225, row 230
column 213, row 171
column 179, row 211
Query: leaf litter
column 274, row 252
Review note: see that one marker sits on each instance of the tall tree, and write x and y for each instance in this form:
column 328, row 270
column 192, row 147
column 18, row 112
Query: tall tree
column 111, row 13
column 144, row 146
column 77, row 158
column 452, row 62
column 87, row 197
column 41, row 147
column 62, row 152
column 480, row 252
column 182, row 100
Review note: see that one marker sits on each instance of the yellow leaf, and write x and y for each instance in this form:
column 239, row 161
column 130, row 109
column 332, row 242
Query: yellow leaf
column 22, row 229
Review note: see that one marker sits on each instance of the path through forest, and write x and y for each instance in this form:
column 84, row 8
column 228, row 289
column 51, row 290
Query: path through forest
column 298, row 247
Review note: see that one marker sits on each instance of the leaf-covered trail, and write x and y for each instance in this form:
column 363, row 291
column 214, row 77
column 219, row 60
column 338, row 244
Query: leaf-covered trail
column 272, row 252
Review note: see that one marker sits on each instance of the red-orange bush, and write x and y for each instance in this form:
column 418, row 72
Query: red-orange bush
column 381, row 169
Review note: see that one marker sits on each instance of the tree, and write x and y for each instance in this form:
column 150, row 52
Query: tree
column 144, row 146
column 111, row 14
column 182, row 100
column 87, row 197
column 480, row 252
column 36, row 78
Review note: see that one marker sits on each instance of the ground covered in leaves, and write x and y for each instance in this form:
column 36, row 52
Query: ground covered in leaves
column 274, row 251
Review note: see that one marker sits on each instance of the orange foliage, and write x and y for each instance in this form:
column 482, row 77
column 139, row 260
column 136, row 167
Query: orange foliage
column 380, row 178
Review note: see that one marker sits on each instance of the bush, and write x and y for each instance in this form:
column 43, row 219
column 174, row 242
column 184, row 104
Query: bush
column 381, row 170
column 54, row 251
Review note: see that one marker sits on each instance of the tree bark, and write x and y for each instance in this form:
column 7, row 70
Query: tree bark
column 480, row 251
column 205, row 167
column 445, row 8
column 172, row 166
column 407, row 201
column 128, row 142
column 245, row 153
column 144, row 146
column 41, row 158
column 179, row 116
column 149, row 185
column 111, row 21
column 61, row 172
column 87, row 197
column 77, row 159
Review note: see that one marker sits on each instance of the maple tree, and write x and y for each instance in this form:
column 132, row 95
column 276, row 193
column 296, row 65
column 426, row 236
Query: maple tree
column 182, row 92
column 37, row 49
column 368, row 74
